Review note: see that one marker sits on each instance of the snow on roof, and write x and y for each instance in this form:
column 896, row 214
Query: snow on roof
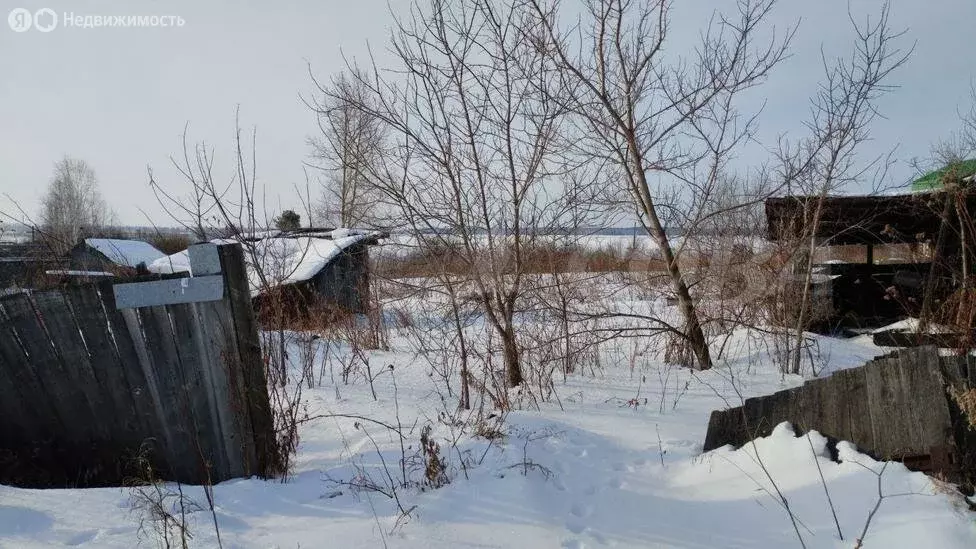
column 284, row 259
column 912, row 324
column 129, row 253
column 176, row 263
column 69, row 272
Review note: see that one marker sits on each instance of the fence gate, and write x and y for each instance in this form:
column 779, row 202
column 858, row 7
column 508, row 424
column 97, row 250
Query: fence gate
column 100, row 381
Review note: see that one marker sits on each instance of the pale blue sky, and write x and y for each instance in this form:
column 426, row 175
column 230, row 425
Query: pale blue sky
column 119, row 98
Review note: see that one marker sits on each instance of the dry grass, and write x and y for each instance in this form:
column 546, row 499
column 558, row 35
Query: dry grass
column 966, row 400
column 537, row 258
column 170, row 244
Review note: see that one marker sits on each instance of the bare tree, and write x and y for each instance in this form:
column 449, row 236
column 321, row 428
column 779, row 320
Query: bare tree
column 951, row 157
column 196, row 211
column 841, row 115
column 969, row 123
column 961, row 144
column 662, row 118
column 474, row 160
column 72, row 205
column 349, row 143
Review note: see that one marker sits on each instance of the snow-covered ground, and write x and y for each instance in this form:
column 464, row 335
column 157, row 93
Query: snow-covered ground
column 615, row 461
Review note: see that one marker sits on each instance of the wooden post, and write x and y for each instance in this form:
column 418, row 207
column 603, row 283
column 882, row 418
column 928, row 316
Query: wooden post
column 254, row 377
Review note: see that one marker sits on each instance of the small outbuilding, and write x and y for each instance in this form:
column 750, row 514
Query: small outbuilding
column 324, row 266
column 23, row 264
column 873, row 293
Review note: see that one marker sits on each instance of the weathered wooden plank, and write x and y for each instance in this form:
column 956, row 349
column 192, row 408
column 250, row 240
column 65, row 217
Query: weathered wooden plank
column 167, row 372
column 800, row 409
column 814, row 391
column 777, row 408
column 718, row 433
column 203, row 428
column 45, row 366
column 906, row 364
column 20, row 423
column 859, row 413
column 929, row 407
column 150, row 432
column 834, row 419
column 216, row 341
column 755, row 425
column 165, row 445
column 236, row 383
column 907, row 436
column 250, row 366
column 86, row 306
column 69, row 345
column 169, row 292
column 884, row 419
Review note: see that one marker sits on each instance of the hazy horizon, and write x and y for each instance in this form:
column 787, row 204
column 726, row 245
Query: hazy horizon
column 120, row 98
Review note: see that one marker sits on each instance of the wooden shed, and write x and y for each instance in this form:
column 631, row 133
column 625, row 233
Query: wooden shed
column 22, row 264
column 872, row 293
column 328, row 267
column 857, row 220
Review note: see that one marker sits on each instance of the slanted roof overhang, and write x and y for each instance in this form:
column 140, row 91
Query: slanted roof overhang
column 863, row 220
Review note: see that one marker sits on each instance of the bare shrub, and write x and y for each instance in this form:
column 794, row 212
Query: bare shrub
column 435, row 468
column 164, row 511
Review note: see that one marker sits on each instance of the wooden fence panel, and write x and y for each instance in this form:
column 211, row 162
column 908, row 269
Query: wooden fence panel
column 24, row 421
column 69, row 346
column 92, row 395
column 164, row 442
column 895, row 407
column 141, row 392
column 928, row 385
column 168, row 372
column 86, row 306
column 43, row 363
column 856, row 385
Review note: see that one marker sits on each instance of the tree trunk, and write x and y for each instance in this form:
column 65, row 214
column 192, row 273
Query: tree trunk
column 510, row 350
column 805, row 296
column 694, row 334
column 693, row 329
column 465, row 402
column 801, row 317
